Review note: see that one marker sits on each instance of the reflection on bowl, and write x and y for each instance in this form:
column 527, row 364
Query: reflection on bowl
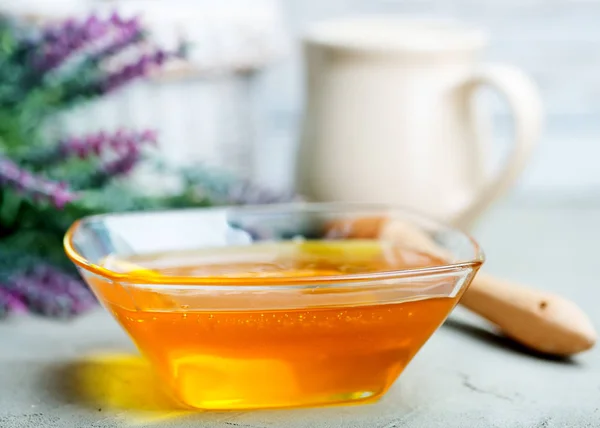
column 276, row 306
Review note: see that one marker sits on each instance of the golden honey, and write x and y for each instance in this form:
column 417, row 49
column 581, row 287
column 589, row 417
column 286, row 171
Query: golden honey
column 256, row 357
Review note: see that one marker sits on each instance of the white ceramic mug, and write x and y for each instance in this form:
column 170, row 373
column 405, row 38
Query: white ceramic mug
column 390, row 117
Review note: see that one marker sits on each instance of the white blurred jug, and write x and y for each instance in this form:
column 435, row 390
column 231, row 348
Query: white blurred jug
column 390, row 117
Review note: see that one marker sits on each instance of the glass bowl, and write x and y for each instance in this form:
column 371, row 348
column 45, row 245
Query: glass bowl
column 211, row 297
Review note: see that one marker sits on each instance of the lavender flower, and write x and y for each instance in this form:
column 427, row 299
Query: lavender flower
column 138, row 69
column 123, row 165
column 63, row 41
column 41, row 298
column 63, row 283
column 122, row 142
column 46, row 290
column 36, row 187
column 10, row 302
column 99, row 40
column 129, row 34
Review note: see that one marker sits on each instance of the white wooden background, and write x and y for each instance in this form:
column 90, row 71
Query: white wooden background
column 556, row 41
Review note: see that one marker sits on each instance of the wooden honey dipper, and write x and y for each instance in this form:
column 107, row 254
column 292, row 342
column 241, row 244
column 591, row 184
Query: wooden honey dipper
column 539, row 320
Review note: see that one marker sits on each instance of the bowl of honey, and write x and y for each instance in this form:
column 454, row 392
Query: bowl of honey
column 300, row 304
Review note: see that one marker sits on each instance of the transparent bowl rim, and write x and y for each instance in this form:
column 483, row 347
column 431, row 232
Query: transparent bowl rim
column 279, row 283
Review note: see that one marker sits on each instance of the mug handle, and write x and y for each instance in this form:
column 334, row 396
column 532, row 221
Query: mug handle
column 525, row 102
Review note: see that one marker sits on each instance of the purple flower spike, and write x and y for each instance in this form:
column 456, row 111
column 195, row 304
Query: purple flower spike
column 40, row 299
column 35, row 187
column 62, row 283
column 10, row 302
column 96, row 144
column 46, row 290
column 121, row 141
column 123, row 165
column 94, row 28
column 141, row 68
column 127, row 34
column 62, row 41
column 116, row 19
column 150, row 136
column 128, row 155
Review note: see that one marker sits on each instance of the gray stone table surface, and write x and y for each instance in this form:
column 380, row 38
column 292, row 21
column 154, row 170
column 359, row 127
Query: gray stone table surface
column 465, row 376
